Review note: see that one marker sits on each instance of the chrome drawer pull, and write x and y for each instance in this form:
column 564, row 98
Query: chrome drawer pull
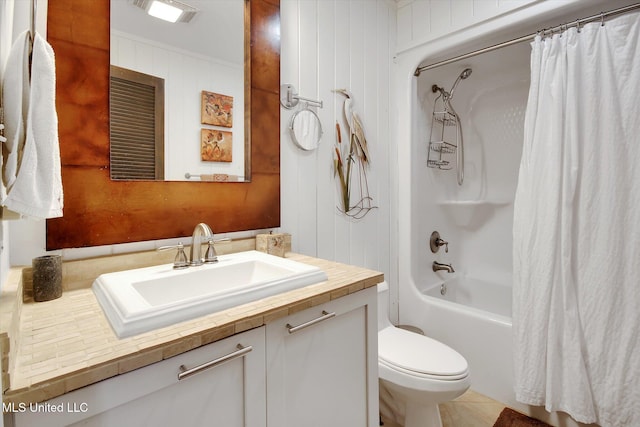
column 184, row 372
column 324, row 316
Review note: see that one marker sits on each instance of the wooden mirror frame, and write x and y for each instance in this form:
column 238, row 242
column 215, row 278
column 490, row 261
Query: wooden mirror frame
column 99, row 211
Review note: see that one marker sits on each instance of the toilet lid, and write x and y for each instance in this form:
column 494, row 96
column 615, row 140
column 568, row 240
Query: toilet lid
column 418, row 353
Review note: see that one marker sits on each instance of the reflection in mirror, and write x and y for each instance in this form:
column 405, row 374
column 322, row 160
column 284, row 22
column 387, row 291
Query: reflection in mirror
column 201, row 66
column 305, row 129
column 101, row 211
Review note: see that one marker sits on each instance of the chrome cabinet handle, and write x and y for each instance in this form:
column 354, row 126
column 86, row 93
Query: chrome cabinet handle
column 322, row 318
column 184, row 372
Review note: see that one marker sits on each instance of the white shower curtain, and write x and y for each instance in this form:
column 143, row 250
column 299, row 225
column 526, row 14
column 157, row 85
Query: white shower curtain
column 576, row 235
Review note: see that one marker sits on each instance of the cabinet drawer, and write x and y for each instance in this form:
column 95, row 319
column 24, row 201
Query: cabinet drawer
column 222, row 381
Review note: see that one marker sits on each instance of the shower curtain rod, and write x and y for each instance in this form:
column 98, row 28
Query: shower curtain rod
column 599, row 17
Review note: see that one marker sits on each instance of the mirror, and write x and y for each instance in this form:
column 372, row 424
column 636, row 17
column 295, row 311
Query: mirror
column 305, row 129
column 200, row 66
column 101, row 211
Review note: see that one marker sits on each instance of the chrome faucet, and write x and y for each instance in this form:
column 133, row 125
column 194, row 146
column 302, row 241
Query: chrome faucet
column 195, row 257
column 447, row 267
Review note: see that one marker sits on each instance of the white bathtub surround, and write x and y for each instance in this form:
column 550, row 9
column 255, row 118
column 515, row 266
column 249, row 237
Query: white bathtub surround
column 475, row 218
column 577, row 212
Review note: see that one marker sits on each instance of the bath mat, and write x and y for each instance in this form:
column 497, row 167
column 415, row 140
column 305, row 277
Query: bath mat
column 510, row 418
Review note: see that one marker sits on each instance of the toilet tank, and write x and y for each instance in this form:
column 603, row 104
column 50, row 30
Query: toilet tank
column 383, row 306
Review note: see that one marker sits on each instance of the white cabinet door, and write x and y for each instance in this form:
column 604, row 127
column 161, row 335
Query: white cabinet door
column 322, row 365
column 223, row 385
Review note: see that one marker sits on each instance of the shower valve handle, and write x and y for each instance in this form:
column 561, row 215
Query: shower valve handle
column 435, row 242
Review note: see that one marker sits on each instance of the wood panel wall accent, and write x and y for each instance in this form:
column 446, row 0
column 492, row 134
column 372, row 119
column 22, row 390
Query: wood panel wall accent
column 99, row 211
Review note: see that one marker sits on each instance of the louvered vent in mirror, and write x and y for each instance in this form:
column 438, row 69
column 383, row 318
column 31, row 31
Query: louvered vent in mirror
column 137, row 125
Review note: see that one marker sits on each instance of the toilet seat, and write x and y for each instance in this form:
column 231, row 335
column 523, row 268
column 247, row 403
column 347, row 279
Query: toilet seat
column 418, row 355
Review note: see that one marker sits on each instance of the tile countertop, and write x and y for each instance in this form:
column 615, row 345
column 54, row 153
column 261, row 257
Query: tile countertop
column 65, row 344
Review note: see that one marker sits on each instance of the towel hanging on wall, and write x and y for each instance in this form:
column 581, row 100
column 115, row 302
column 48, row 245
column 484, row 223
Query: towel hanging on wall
column 31, row 172
column 15, row 98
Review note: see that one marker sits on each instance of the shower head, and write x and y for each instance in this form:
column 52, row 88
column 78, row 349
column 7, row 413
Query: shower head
column 463, row 75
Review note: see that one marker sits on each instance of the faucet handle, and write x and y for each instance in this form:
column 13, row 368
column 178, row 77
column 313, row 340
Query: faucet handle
column 180, row 261
column 435, row 242
column 210, row 255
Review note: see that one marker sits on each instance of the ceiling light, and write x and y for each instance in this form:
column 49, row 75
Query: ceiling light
column 169, row 10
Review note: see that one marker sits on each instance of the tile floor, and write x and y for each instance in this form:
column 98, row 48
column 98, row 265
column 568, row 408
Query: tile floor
column 472, row 409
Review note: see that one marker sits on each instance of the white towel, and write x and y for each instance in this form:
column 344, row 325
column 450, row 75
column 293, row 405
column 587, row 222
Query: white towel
column 32, row 174
column 15, row 99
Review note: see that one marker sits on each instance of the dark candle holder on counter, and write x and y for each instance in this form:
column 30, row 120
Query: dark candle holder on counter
column 47, row 277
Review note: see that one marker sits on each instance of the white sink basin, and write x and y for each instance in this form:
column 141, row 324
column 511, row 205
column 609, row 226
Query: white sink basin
column 144, row 299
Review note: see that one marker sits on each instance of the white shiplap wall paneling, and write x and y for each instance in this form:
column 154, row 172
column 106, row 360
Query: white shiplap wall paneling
column 421, row 21
column 326, row 195
column 328, row 45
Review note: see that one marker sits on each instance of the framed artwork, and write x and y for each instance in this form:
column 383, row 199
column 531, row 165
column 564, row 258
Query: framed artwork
column 216, row 109
column 216, row 145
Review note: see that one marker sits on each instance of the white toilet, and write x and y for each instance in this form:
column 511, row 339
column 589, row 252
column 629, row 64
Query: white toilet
column 417, row 371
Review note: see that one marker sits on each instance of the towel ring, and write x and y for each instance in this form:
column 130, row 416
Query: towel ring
column 305, row 129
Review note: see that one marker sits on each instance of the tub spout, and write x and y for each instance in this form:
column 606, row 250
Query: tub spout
column 447, row 267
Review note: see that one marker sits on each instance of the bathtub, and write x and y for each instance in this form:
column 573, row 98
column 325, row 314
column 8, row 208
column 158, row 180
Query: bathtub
column 486, row 299
column 473, row 316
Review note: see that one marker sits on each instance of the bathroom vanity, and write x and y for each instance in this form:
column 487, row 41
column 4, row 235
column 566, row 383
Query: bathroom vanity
column 303, row 357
